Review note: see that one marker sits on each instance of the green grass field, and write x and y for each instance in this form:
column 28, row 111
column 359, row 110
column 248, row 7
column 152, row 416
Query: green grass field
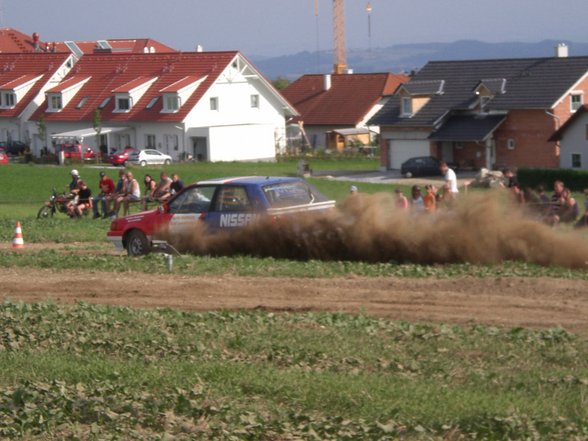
column 109, row 373
column 97, row 372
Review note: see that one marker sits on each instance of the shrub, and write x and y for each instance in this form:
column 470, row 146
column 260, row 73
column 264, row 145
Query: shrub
column 575, row 180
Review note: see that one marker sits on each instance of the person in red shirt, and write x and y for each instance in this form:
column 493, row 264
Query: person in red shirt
column 106, row 185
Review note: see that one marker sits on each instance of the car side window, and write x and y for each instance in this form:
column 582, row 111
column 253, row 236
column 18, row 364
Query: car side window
column 232, row 199
column 192, row 200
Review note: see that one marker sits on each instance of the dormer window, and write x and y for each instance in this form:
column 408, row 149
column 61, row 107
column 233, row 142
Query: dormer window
column 484, row 100
column 406, row 103
column 54, row 102
column 7, row 100
column 171, row 103
column 123, row 104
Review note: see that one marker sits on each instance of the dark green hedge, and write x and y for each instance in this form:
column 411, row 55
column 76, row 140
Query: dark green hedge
column 575, row 180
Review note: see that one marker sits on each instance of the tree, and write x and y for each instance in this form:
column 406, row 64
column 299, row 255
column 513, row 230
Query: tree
column 42, row 133
column 97, row 124
column 281, row 83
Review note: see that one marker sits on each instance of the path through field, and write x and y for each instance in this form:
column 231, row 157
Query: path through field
column 532, row 302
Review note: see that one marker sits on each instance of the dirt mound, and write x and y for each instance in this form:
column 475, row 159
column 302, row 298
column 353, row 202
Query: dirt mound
column 477, row 229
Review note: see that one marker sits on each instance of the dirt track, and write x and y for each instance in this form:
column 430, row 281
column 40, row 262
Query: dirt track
column 534, row 302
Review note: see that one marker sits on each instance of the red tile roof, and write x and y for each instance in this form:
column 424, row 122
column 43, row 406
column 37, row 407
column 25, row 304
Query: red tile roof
column 13, row 41
column 71, row 81
column 137, row 46
column 133, row 84
column 111, row 71
column 14, row 66
column 14, row 84
column 347, row 102
column 179, row 85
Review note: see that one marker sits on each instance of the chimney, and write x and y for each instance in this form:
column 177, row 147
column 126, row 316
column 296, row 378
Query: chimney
column 199, row 48
column 326, row 82
column 561, row 50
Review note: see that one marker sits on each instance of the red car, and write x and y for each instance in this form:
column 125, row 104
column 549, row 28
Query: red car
column 121, row 158
column 76, row 151
column 3, row 157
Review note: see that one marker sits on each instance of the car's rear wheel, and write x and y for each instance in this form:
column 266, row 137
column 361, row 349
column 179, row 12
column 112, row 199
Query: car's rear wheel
column 167, row 162
column 137, row 244
column 142, row 163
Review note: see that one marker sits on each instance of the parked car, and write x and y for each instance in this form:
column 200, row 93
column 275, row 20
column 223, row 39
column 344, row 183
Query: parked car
column 420, row 166
column 121, row 158
column 221, row 204
column 149, row 156
column 3, row 157
column 75, row 151
column 13, row 148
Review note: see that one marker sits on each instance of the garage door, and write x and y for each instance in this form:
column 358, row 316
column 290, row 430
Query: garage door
column 401, row 150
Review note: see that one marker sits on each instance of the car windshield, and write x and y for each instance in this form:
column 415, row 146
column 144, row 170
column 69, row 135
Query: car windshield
column 288, row 194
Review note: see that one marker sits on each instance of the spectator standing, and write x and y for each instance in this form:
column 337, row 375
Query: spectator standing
column 401, row 200
column 430, row 199
column 583, row 221
column 418, row 205
column 106, row 185
column 449, row 176
column 552, row 217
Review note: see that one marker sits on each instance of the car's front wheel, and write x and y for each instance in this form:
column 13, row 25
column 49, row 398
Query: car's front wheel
column 137, row 244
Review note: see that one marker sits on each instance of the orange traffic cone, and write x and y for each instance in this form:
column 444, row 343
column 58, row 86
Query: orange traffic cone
column 17, row 241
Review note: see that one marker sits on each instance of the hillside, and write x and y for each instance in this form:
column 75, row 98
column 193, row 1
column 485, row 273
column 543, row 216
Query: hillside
column 406, row 57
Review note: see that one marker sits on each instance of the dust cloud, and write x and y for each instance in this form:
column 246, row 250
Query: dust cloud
column 478, row 228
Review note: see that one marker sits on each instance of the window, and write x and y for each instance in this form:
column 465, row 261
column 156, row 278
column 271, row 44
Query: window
column 151, row 103
column 192, row 200
column 123, row 104
column 510, row 144
column 214, row 103
column 104, row 103
column 232, row 199
column 55, row 102
column 150, row 141
column 406, row 106
column 484, row 100
column 172, row 103
column 575, row 101
column 82, row 102
column 172, row 141
column 576, row 160
column 255, row 101
column 8, row 99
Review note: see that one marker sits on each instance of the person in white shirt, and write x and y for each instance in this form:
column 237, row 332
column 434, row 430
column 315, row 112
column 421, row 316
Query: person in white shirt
column 449, row 176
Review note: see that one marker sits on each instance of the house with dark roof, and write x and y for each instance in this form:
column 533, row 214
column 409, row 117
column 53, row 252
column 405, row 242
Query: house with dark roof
column 335, row 109
column 24, row 78
column 573, row 140
column 211, row 106
column 483, row 113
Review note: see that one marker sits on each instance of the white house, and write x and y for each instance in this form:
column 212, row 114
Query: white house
column 212, row 106
column 24, row 78
column 573, row 140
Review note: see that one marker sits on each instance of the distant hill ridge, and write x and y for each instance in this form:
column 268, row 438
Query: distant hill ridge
column 406, row 57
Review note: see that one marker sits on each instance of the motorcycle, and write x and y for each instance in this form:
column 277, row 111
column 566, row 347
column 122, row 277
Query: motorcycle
column 56, row 203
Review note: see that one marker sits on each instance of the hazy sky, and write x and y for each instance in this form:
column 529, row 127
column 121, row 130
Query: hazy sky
column 274, row 27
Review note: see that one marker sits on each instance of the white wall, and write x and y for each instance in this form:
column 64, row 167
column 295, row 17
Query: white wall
column 249, row 142
column 574, row 141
